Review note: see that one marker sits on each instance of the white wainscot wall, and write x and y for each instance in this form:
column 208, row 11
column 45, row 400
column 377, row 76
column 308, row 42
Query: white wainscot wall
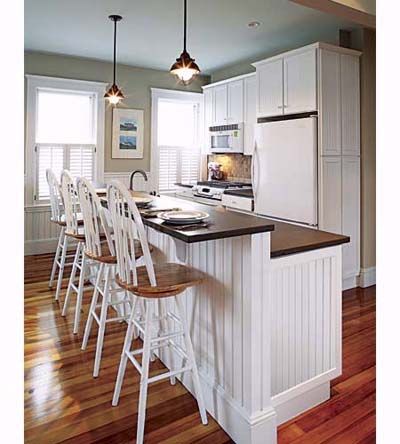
column 41, row 235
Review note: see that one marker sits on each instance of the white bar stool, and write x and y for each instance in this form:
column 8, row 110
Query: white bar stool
column 102, row 253
column 151, row 282
column 75, row 231
column 57, row 217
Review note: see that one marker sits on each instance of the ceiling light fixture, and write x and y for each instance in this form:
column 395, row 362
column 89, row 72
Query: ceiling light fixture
column 254, row 24
column 114, row 94
column 185, row 67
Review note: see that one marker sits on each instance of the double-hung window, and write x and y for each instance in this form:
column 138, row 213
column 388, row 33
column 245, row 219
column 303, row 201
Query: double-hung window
column 65, row 126
column 176, row 146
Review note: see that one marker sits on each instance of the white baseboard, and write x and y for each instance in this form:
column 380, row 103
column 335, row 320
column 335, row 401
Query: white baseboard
column 260, row 429
column 40, row 246
column 367, row 277
column 350, row 282
column 296, row 405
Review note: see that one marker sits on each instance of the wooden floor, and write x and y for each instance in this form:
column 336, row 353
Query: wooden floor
column 63, row 403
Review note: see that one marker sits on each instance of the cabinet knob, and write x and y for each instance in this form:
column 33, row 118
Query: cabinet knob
column 280, row 106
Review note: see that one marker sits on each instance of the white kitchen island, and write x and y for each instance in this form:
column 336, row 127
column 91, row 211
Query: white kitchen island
column 266, row 322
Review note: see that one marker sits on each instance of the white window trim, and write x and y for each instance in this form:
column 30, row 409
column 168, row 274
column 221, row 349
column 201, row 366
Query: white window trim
column 34, row 82
column 157, row 93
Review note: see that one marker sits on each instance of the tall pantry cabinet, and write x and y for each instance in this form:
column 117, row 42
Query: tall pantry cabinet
column 339, row 140
column 323, row 78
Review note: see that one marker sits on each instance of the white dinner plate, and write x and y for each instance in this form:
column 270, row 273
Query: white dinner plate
column 183, row 216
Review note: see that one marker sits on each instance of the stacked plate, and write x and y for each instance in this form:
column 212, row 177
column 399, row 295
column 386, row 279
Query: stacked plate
column 183, row 217
column 142, row 202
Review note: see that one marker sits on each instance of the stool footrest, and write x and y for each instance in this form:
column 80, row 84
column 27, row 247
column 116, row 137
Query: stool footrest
column 169, row 374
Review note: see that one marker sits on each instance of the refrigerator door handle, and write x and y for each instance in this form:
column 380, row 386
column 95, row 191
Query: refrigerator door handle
column 255, row 169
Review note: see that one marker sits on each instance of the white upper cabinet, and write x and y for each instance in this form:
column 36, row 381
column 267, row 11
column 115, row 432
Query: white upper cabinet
column 300, row 82
column 339, row 104
column 287, row 84
column 270, row 88
column 228, row 103
column 208, row 118
column 235, row 102
column 250, row 119
column 220, row 104
column 350, row 97
column 329, row 103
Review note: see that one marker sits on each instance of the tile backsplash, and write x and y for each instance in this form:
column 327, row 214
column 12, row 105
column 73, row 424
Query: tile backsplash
column 235, row 166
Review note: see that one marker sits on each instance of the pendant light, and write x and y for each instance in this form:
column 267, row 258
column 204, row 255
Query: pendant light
column 185, row 67
column 114, row 94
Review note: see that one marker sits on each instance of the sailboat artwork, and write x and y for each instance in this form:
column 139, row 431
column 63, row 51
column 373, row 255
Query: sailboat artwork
column 128, row 126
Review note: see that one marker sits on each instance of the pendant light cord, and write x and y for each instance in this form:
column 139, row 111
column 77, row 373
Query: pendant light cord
column 115, row 50
column 184, row 24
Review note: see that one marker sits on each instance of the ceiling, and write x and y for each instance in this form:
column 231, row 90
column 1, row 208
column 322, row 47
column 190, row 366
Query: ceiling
column 150, row 34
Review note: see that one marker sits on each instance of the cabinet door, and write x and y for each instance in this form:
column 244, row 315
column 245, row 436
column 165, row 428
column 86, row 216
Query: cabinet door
column 208, row 118
column 300, row 82
column 235, row 102
column 329, row 103
column 270, row 88
column 330, row 200
column 350, row 95
column 249, row 113
column 351, row 215
column 220, row 104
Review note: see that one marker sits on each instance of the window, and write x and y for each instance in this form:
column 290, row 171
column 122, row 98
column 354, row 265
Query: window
column 176, row 138
column 65, row 130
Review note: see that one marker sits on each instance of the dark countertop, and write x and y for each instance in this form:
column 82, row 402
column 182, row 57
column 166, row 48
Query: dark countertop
column 222, row 223
column 285, row 238
column 290, row 239
column 246, row 192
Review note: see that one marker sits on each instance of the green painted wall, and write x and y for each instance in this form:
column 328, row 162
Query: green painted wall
column 135, row 83
column 233, row 70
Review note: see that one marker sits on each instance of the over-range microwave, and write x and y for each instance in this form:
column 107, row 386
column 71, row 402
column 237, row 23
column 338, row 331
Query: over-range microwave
column 226, row 138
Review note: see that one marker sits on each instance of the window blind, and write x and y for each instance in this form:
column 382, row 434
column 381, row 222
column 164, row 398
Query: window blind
column 178, row 143
column 78, row 159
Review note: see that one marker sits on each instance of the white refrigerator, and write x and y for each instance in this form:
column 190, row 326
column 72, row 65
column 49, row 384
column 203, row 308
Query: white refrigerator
column 284, row 170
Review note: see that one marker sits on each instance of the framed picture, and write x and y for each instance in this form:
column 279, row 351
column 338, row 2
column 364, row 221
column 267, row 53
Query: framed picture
column 127, row 133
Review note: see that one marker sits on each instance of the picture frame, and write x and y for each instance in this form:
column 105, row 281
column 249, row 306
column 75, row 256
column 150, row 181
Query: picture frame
column 127, row 133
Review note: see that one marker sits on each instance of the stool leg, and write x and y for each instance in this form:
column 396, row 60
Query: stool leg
column 166, row 326
column 124, row 357
column 102, row 326
column 62, row 264
column 192, row 361
column 89, row 321
column 145, row 374
column 79, row 297
column 71, row 278
column 57, row 256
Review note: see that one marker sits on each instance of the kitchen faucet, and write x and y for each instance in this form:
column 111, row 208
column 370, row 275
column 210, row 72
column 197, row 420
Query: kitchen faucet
column 131, row 177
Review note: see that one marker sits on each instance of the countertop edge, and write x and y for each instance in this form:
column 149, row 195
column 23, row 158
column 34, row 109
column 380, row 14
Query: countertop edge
column 303, row 249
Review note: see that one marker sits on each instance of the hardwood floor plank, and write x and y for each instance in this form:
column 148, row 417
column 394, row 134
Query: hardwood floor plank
column 65, row 404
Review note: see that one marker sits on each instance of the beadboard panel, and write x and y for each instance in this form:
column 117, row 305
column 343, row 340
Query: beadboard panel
column 305, row 336
column 220, row 309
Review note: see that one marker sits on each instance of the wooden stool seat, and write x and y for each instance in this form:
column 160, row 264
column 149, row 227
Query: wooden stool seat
column 171, row 278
